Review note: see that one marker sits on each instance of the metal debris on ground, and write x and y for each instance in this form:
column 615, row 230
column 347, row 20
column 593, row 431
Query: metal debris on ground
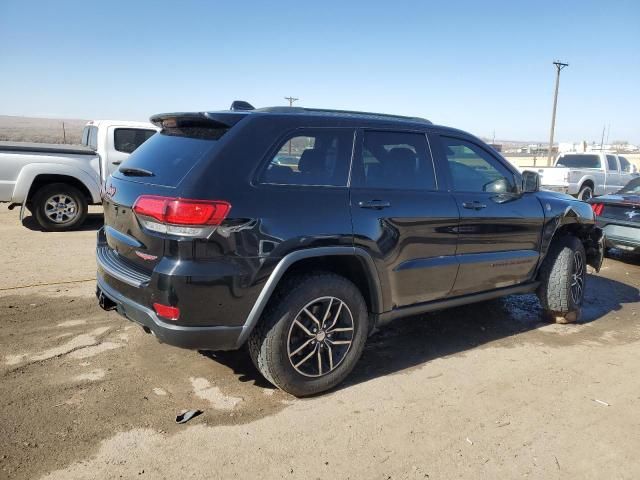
column 188, row 415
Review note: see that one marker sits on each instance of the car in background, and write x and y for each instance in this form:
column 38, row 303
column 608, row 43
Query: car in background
column 586, row 175
column 58, row 182
column 619, row 217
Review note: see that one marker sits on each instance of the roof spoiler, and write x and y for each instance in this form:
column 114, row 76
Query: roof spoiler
column 197, row 119
column 241, row 105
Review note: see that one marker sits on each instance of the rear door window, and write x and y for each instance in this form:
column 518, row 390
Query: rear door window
column 127, row 140
column 394, row 160
column 612, row 165
column 311, row 156
column 625, row 166
column 579, row 161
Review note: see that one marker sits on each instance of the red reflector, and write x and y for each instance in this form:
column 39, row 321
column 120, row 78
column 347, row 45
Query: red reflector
column 165, row 311
column 597, row 208
column 180, row 211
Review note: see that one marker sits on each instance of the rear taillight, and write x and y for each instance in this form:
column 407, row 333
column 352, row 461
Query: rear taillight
column 180, row 216
column 166, row 311
column 597, row 208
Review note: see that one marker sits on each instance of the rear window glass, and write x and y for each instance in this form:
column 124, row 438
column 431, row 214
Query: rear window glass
column 126, row 140
column 170, row 154
column 632, row 187
column 579, row 161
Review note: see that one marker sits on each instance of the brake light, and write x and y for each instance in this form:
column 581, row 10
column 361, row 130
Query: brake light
column 180, row 216
column 597, row 208
column 165, row 311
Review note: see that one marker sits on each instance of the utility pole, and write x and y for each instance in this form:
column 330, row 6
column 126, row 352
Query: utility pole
column 291, row 100
column 559, row 66
column 64, row 134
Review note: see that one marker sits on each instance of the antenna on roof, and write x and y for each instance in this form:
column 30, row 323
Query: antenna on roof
column 241, row 105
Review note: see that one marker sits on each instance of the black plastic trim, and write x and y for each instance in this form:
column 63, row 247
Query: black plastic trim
column 290, row 259
column 386, row 317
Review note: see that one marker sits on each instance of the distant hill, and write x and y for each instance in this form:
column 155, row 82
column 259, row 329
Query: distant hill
column 41, row 130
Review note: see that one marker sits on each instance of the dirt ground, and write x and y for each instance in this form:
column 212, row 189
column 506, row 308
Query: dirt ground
column 485, row 391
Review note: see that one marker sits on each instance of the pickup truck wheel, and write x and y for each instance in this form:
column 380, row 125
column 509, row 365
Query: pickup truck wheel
column 586, row 193
column 311, row 335
column 562, row 280
column 58, row 207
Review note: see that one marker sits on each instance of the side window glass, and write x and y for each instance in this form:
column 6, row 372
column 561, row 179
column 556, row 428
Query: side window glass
column 625, row 166
column 85, row 136
column 473, row 169
column 126, row 140
column 93, row 138
column 612, row 165
column 312, row 157
column 397, row 160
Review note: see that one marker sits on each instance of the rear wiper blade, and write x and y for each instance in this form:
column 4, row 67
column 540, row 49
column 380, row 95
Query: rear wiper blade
column 136, row 172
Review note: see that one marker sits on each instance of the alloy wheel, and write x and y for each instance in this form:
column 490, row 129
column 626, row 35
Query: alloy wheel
column 320, row 337
column 60, row 208
column 577, row 278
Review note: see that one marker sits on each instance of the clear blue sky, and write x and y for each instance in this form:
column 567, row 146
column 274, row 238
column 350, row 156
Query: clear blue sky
column 476, row 65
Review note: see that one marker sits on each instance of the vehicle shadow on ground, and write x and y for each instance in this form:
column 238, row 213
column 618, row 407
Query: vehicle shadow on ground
column 414, row 341
column 93, row 222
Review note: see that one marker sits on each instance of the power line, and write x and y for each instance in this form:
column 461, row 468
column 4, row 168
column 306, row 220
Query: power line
column 559, row 66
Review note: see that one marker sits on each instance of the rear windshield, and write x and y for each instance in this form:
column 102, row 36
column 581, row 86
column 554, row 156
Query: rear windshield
column 170, row 155
column 579, row 161
column 632, row 187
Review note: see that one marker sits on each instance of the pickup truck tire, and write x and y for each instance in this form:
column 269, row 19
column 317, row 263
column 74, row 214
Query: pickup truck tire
column 311, row 334
column 562, row 280
column 585, row 193
column 58, row 207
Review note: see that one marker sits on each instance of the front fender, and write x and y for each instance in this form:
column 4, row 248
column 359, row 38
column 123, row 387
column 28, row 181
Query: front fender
column 28, row 173
column 564, row 216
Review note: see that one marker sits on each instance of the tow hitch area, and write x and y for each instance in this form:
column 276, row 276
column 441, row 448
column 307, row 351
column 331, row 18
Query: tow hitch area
column 105, row 302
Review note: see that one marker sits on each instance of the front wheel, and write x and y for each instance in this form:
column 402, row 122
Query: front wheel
column 563, row 279
column 311, row 335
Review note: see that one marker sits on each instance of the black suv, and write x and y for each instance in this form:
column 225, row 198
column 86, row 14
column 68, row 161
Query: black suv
column 212, row 241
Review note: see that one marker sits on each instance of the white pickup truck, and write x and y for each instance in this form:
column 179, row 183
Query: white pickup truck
column 58, row 182
column 586, row 175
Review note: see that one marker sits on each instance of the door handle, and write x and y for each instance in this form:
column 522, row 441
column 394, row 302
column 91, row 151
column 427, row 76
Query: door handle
column 116, row 163
column 374, row 204
column 475, row 205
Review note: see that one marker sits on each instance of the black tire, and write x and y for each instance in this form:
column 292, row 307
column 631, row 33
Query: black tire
column 557, row 291
column 270, row 342
column 70, row 220
column 585, row 193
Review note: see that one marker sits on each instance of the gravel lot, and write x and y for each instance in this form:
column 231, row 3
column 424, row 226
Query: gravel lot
column 486, row 391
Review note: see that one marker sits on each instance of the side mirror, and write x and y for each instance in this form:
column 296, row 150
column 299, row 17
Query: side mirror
column 530, row 181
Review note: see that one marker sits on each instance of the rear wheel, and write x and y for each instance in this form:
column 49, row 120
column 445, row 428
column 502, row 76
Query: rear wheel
column 586, row 193
column 562, row 280
column 312, row 334
column 59, row 207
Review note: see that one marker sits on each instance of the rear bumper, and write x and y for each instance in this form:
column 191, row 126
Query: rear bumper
column 620, row 234
column 192, row 337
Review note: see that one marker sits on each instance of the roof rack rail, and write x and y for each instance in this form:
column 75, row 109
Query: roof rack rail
column 342, row 112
